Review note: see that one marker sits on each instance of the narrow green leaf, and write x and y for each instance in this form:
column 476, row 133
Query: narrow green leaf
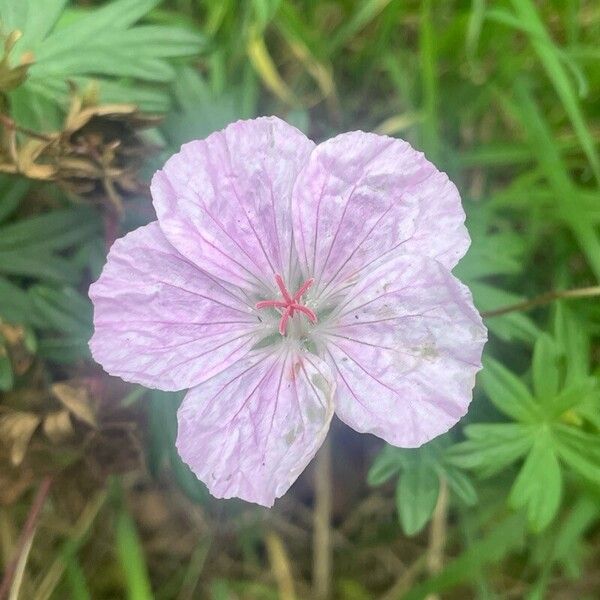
column 545, row 369
column 508, row 393
column 37, row 263
column 580, row 451
column 416, row 496
column 365, row 12
column 428, row 61
column 131, row 557
column 384, row 467
column 15, row 304
column 63, row 309
column 119, row 14
column 461, row 485
column 572, row 396
column 78, row 587
column 63, row 350
column 550, row 59
column 538, row 487
column 54, row 230
column 506, row 537
column 163, row 426
column 6, row 372
column 573, row 339
column 12, row 191
column 492, row 447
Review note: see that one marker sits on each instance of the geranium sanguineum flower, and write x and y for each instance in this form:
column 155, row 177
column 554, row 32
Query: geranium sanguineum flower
column 284, row 281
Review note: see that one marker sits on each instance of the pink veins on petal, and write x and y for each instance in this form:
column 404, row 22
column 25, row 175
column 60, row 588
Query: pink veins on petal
column 290, row 303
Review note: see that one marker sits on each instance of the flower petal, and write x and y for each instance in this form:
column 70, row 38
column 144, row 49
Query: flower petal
column 251, row 430
column 224, row 202
column 162, row 322
column 363, row 197
column 405, row 347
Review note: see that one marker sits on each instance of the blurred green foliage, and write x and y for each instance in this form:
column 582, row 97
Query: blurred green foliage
column 503, row 96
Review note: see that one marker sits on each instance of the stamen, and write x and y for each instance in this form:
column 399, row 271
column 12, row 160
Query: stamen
column 290, row 303
column 303, row 289
column 283, row 289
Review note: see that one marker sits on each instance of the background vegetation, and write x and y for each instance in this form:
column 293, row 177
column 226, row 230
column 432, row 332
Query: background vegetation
column 503, row 95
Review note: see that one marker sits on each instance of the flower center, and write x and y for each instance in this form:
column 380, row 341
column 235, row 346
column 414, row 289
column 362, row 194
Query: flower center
column 290, row 304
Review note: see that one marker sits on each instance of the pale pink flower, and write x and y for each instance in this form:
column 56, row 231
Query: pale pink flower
column 285, row 281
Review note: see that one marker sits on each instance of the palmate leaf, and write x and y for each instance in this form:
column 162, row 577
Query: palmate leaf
column 547, row 429
column 420, row 472
column 199, row 110
column 38, row 269
column 492, row 447
column 33, row 248
column 508, row 393
column 103, row 43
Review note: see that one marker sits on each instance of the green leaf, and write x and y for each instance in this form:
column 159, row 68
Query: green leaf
column 386, row 464
column 103, row 43
column 538, row 487
column 506, row 537
column 12, row 191
column 509, row 327
column 571, row 397
column 55, row 230
column 580, row 450
column 492, row 447
column 545, row 369
column 37, row 263
column 429, row 76
column 78, row 587
column 16, row 305
column 6, row 372
column 63, row 350
column 461, row 485
column 163, row 426
column 416, row 496
column 554, row 169
column 573, row 339
column 63, row 309
column 550, row 58
column 508, row 393
column 131, row 558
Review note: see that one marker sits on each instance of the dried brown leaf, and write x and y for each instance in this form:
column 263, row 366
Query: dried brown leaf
column 12, row 77
column 76, row 398
column 57, row 426
column 16, row 429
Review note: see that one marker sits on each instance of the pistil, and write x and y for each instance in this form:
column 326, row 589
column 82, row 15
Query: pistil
column 289, row 304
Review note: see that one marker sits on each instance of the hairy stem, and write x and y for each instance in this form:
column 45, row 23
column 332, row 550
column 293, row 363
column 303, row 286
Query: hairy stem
column 587, row 292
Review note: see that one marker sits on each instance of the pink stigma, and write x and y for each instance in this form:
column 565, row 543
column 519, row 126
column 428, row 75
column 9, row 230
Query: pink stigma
column 290, row 303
